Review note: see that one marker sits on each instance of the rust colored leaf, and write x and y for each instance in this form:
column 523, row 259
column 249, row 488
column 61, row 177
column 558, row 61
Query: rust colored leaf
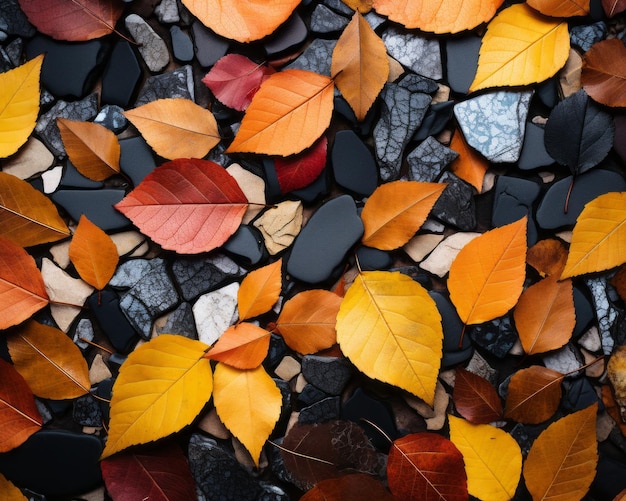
column 475, row 398
column 611, row 406
column 621, row 496
column 27, row 216
column 613, row 7
column 604, row 72
column 619, row 282
column 300, row 170
column 243, row 346
column 470, row 165
column 49, row 361
column 93, row 149
column 359, row 65
column 290, row 111
column 428, row 467
column 534, row 395
column 354, row 487
column 396, row 210
column 186, row 205
column 307, row 321
column 21, row 286
column 259, row 290
column 548, row 257
column 363, row 6
column 19, row 417
column 562, row 460
column 561, row 8
column 73, row 20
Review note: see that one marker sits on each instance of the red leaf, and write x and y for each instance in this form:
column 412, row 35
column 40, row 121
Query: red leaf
column 613, row 7
column 475, row 398
column 234, row 80
column 355, row 487
column 157, row 474
column 186, row 205
column 300, row 170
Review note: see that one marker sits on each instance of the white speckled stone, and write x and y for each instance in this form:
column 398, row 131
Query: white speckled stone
column 214, row 312
column 421, row 54
column 152, row 48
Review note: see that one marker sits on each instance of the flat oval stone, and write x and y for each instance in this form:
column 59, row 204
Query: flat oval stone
column 105, row 305
column 136, row 158
column 182, row 46
column 373, row 259
column 288, row 36
column 97, row 205
column 151, row 46
column 453, row 354
column 74, row 179
column 353, row 164
column 209, row 48
column 121, row 75
column 323, row 243
column 534, row 154
column 247, row 245
column 362, row 409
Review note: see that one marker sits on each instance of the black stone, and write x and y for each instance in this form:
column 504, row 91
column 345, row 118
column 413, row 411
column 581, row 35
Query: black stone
column 86, row 411
column 112, row 117
column 585, row 313
column 287, row 37
column 136, row 158
column 310, row 394
column 324, row 20
column 620, row 136
column 455, row 206
column 534, row 154
column 353, row 164
column 105, row 306
column 181, row 321
column 273, row 192
column 373, row 259
column 585, row 35
column 316, row 57
column 315, row 190
column 55, row 463
column 323, row 243
column 610, row 480
column 115, row 361
column 578, row 394
column 428, row 160
column 329, row 374
column 363, row 127
column 462, row 62
column 177, row 83
column 247, row 246
column 548, row 92
column 198, row 275
column 276, row 352
column 209, row 47
column 435, row 120
column 121, row 75
column 13, row 21
column 453, row 328
column 497, row 336
column 97, row 205
column 182, row 46
column 514, row 199
column 362, row 409
column 321, row 411
column 73, row 179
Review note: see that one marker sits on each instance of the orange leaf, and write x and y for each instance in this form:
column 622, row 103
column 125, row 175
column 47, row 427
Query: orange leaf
column 475, row 398
column 534, row 395
column 438, row 16
column 363, row 6
column 50, row 363
column 545, row 316
column 619, row 282
column 359, row 65
column 482, row 293
column 604, row 72
column 289, row 112
column 396, row 210
column 562, row 461
column 242, row 20
column 612, row 408
column 353, row 487
column 93, row 254
column 21, row 286
column 9, row 492
column 243, row 346
column 307, row 321
column 27, row 216
column 561, row 8
column 470, row 165
column 259, row 290
column 93, row 149
column 548, row 257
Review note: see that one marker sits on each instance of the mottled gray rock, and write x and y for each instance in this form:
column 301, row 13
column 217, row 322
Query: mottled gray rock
column 564, row 360
column 14, row 51
column 167, row 11
column 316, row 57
column 585, row 35
column 339, row 6
column 455, row 206
column 494, row 123
column 329, row 374
column 324, row 410
column 196, row 276
column 151, row 46
column 418, row 83
column 13, row 21
column 86, row 411
column 181, row 322
column 605, row 311
column 175, row 83
column 428, row 160
column 112, row 117
column 214, row 312
column 420, row 54
column 497, row 336
column 324, row 20
column 374, row 19
column 84, row 330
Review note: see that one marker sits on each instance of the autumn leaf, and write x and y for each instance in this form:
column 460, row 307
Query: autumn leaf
column 359, row 65
column 521, row 47
column 363, row 6
column 561, row 8
column 234, row 80
column 27, row 216
column 19, row 105
column 242, row 20
column 73, row 20
column 493, row 459
column 598, row 237
column 428, row 467
column 290, row 111
column 354, row 487
column 19, row 416
column 475, row 398
column 562, row 460
column 21, row 286
column 533, row 395
column 243, row 346
column 176, row 127
column 470, row 165
column 168, row 372
column 49, row 361
column 482, row 293
column 390, row 328
column 619, row 282
column 252, row 415
column 439, row 16
column 396, row 210
column 613, row 7
column 604, row 72
column 548, row 257
column 186, row 205
column 307, row 321
column 259, row 290
column 300, row 170
column 9, row 492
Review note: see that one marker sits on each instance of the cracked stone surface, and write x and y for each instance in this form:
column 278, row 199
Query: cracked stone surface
column 421, row 54
column 329, row 374
column 514, row 199
column 215, row 312
column 605, row 312
column 586, row 35
column 172, row 84
column 428, row 160
column 253, row 188
column 564, row 360
column 280, row 225
column 198, row 275
column 456, row 206
column 151, row 46
column 316, row 57
column 324, row 20
column 180, row 321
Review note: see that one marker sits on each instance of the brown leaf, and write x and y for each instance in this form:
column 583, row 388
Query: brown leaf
column 561, row 8
column 475, row 398
column 619, row 282
column 534, row 395
column 604, row 72
column 470, row 165
column 259, row 290
column 612, row 408
column 613, row 7
column 548, row 257
column 243, row 346
column 353, row 487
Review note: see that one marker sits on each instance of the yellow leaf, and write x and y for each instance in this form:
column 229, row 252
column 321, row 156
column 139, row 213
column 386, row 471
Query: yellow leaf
column 248, row 403
column 396, row 210
column 176, row 127
column 561, row 8
column 259, row 290
column 599, row 236
column 562, row 461
column 8, row 491
column 161, row 387
column 92, row 148
column 243, row 346
column 289, row 112
column 359, row 65
column 19, row 105
column 390, row 328
column 493, row 459
column 487, row 275
column 521, row 47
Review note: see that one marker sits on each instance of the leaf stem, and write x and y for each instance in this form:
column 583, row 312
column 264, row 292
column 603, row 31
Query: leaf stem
column 584, row 366
column 95, row 344
column 569, row 194
column 378, row 429
column 462, row 336
column 305, row 456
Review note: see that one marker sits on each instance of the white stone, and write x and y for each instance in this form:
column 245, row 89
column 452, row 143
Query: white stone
column 253, row 188
column 61, row 254
column 280, row 225
column 421, row 245
column 546, row 177
column 51, row 179
column 30, row 160
column 214, row 312
column 590, row 340
column 565, row 360
column 152, row 47
column 433, row 226
column 167, row 11
column 127, row 241
column 440, row 259
column 421, row 54
column 489, row 181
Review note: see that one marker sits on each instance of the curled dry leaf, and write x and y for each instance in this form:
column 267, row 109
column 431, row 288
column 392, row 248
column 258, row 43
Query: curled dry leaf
column 475, row 398
column 561, row 8
column 243, row 346
column 470, row 165
column 548, row 257
column 353, row 487
column 604, row 72
column 533, row 395
column 176, row 127
column 613, row 7
column 259, row 290
column 300, row 170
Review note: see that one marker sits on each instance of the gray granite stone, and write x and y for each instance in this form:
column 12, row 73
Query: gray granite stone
column 585, row 35
column 182, row 46
column 324, row 410
column 13, row 21
column 84, row 330
column 418, row 83
column 151, row 46
column 374, row 19
column 339, row 6
column 420, row 54
column 324, row 20
column 112, row 117
column 564, row 360
column 497, row 336
column 181, row 322
column 316, row 57
column 197, row 275
column 167, row 11
column 606, row 313
column 175, row 83
column 329, row 374
column 428, row 160
column 455, row 206
column 14, row 51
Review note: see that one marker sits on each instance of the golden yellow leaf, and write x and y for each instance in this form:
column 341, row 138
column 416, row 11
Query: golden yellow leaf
column 243, row 346
column 390, row 328
column 562, row 461
column 176, row 127
column 161, row 387
column 19, row 105
column 359, row 65
column 259, row 290
column 599, row 236
column 248, row 403
column 493, row 459
column 470, row 165
column 289, row 112
column 521, row 47
column 8, row 491
column 396, row 210
column 486, row 291
column 92, row 148
column 561, row 8
column 363, row 6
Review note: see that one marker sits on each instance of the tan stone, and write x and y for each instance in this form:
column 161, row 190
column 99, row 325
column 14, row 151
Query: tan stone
column 128, row 241
column 212, row 424
column 95, row 495
column 61, row 254
column 440, row 408
column 565, row 235
column 280, row 225
column 595, row 370
column 442, row 95
column 421, row 245
column 98, row 371
column 395, row 69
column 300, row 383
column 253, row 188
column 288, row 368
column 569, row 75
column 32, row 159
column 440, row 259
column 489, row 181
column 604, row 426
column 546, row 177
